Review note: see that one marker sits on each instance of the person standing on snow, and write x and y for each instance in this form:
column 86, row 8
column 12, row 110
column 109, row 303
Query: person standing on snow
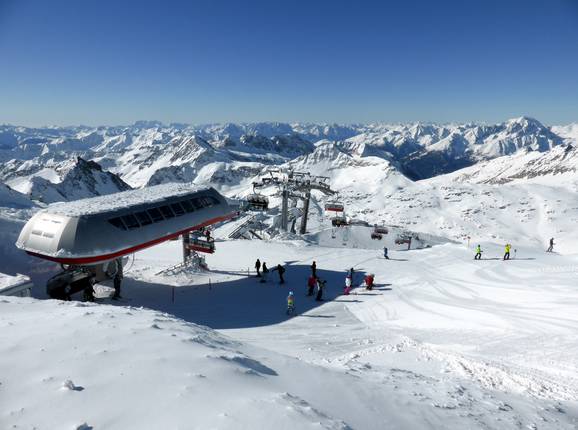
column 314, row 269
column 347, row 285
column 369, row 281
column 507, row 251
column 478, row 255
column 551, row 247
column 281, row 270
column 258, row 268
column 385, row 253
column 320, row 287
column 310, row 285
column 88, row 291
column 117, row 280
column 265, row 272
column 290, row 302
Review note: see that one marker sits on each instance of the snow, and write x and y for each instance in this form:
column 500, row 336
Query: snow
column 103, row 204
column 443, row 341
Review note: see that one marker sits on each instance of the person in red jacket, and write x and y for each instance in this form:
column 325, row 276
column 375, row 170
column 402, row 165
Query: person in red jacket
column 369, row 282
column 310, row 285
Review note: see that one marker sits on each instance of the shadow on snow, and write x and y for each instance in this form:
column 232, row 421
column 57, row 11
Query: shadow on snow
column 239, row 303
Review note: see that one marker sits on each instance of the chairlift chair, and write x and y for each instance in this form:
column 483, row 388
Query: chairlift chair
column 339, row 221
column 201, row 245
column 257, row 202
column 380, row 229
column 401, row 239
column 334, row 207
column 376, row 236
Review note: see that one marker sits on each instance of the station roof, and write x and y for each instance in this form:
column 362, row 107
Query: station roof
column 123, row 199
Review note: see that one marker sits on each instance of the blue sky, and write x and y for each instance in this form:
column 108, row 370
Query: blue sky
column 114, row 62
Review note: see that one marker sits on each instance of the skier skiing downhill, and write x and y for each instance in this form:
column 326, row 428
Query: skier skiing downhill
column 385, row 253
column 507, row 251
column 478, row 255
column 347, row 285
column 290, row 303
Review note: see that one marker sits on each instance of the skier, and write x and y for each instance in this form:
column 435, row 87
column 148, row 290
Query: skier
column 281, row 270
column 265, row 272
column 369, row 281
column 347, row 285
column 258, row 268
column 290, row 303
column 314, row 269
column 507, row 251
column 478, row 255
column 320, row 287
column 551, row 247
column 117, row 280
column 385, row 253
column 310, row 285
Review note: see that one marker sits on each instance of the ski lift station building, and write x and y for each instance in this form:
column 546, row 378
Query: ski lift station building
column 95, row 230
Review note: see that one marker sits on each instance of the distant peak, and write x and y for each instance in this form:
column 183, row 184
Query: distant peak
column 525, row 120
column 148, row 124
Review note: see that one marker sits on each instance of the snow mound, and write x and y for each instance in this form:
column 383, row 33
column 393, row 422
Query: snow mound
column 181, row 373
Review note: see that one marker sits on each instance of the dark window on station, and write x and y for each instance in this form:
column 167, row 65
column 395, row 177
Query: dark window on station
column 187, row 205
column 130, row 221
column 117, row 222
column 155, row 214
column 143, row 218
column 197, row 203
column 177, row 208
column 167, row 212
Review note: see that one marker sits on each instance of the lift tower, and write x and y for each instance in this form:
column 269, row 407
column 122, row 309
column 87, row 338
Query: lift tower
column 292, row 184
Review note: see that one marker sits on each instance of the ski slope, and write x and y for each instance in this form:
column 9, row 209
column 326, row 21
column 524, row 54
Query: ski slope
column 443, row 341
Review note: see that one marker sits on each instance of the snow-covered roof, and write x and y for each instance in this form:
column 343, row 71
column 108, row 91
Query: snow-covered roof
column 124, row 199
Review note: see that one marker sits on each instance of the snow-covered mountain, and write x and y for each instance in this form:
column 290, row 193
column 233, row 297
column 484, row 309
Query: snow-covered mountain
column 78, row 179
column 375, row 167
column 150, row 152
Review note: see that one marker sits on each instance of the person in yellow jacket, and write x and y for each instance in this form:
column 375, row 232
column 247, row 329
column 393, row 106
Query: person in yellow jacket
column 290, row 303
column 478, row 255
column 507, row 253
